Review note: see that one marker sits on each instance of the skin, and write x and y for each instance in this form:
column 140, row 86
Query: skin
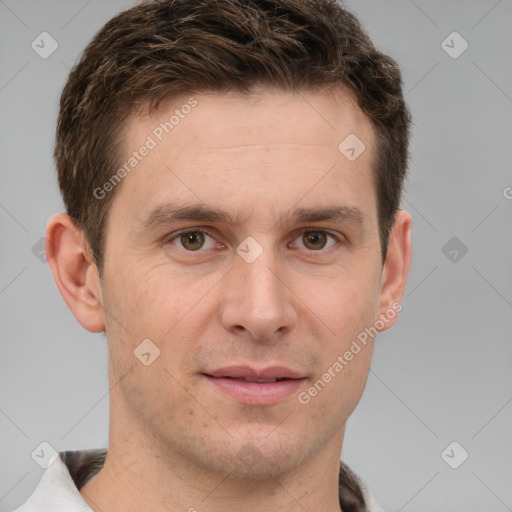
column 174, row 437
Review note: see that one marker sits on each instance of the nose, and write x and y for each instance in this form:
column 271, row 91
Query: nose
column 257, row 298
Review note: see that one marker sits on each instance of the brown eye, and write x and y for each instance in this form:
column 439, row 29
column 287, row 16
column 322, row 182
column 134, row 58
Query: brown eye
column 314, row 240
column 192, row 240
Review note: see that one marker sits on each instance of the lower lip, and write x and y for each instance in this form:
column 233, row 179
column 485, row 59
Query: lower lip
column 254, row 393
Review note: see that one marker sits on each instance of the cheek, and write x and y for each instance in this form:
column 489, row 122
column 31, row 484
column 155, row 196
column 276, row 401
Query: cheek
column 348, row 308
column 335, row 390
column 166, row 307
column 133, row 315
column 347, row 303
column 151, row 301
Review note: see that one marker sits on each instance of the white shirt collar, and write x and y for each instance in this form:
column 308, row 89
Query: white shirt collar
column 56, row 492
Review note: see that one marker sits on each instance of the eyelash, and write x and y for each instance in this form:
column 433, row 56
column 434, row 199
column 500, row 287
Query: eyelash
column 312, row 230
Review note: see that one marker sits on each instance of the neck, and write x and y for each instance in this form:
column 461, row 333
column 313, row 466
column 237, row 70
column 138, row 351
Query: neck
column 134, row 486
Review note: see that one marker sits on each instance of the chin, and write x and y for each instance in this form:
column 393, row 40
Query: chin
column 253, row 457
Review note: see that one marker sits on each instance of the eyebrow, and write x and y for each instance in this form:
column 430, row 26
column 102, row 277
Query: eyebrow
column 168, row 213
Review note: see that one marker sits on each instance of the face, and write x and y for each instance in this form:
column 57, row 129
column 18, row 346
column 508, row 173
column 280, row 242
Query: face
column 244, row 245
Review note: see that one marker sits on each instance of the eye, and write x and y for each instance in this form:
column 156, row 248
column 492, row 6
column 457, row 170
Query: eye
column 193, row 240
column 316, row 240
column 196, row 239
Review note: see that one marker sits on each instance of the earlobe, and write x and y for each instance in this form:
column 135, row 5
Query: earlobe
column 396, row 269
column 74, row 271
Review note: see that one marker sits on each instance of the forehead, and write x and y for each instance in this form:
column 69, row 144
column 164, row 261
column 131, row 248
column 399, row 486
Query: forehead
column 235, row 150
column 268, row 117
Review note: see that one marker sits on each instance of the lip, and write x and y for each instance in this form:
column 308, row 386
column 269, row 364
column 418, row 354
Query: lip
column 271, row 372
column 254, row 393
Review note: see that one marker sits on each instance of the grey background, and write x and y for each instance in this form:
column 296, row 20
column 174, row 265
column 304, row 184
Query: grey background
column 442, row 374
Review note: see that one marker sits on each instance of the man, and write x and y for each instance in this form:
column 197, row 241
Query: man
column 232, row 172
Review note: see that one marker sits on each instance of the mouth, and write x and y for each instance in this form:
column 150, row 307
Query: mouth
column 256, row 387
column 248, row 379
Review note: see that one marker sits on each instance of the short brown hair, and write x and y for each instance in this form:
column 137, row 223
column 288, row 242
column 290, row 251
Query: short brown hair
column 160, row 49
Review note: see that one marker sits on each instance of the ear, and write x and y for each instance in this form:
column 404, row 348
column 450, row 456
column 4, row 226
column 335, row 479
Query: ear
column 395, row 270
column 74, row 271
